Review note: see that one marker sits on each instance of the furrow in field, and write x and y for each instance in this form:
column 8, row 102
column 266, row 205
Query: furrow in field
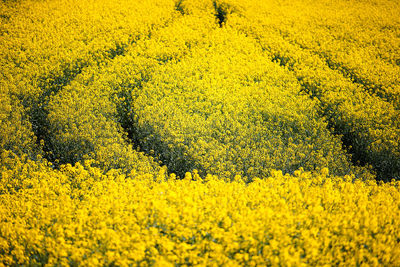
column 227, row 110
column 369, row 126
column 49, row 63
column 91, row 118
column 350, row 40
column 374, row 75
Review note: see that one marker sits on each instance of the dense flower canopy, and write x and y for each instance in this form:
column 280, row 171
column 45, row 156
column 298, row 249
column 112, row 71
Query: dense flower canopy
column 211, row 132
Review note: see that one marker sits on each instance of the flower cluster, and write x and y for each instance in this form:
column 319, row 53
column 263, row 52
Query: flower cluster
column 80, row 216
column 211, row 132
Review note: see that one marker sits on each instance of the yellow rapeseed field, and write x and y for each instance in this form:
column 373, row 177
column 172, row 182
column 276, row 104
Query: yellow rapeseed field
column 199, row 133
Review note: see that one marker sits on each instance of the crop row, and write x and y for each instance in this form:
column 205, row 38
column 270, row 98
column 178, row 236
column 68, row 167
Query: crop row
column 369, row 124
column 45, row 49
column 354, row 41
column 88, row 119
column 195, row 98
column 228, row 110
column 195, row 102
